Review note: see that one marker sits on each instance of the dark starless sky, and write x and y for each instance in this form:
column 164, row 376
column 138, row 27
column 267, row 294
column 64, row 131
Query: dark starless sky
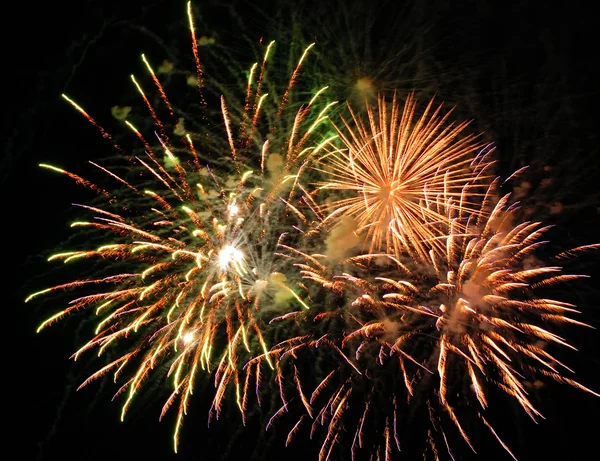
column 543, row 54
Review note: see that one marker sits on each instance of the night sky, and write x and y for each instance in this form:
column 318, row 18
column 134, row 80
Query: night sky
column 525, row 74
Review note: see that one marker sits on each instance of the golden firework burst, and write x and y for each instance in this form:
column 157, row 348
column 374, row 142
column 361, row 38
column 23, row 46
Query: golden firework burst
column 395, row 169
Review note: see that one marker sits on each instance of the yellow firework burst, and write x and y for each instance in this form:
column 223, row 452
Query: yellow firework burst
column 202, row 275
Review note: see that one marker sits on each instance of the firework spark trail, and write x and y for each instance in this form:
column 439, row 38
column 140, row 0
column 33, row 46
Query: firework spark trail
column 395, row 170
column 202, row 247
column 473, row 321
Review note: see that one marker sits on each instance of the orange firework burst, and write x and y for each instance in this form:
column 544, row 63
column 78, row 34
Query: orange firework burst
column 468, row 324
column 200, row 249
column 394, row 168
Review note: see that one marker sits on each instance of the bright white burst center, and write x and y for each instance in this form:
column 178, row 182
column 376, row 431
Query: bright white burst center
column 188, row 337
column 233, row 210
column 230, row 255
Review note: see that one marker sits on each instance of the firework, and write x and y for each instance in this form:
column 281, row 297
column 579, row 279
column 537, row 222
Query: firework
column 368, row 266
column 201, row 277
column 395, row 168
column 439, row 337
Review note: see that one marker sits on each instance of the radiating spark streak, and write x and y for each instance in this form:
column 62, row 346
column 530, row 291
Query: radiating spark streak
column 498, row 438
column 90, row 119
column 148, row 104
column 228, row 130
column 580, row 249
column 303, row 398
column 160, row 178
column 161, row 90
column 199, row 71
column 293, row 79
column 294, row 430
column 275, row 416
column 570, row 382
column 77, row 178
column 110, row 173
column 515, row 174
